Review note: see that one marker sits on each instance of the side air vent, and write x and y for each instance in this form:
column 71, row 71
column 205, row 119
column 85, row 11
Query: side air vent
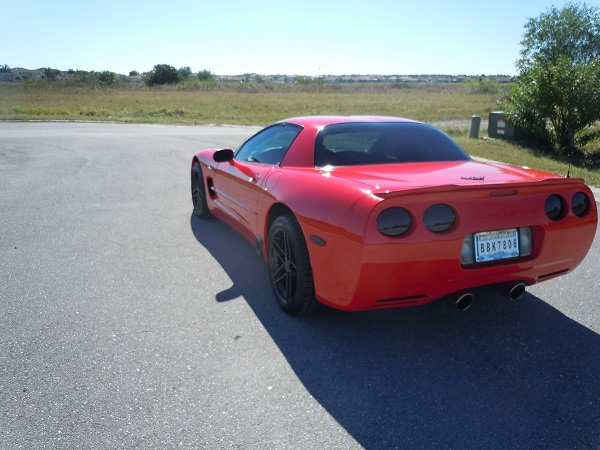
column 211, row 187
column 404, row 301
column 552, row 274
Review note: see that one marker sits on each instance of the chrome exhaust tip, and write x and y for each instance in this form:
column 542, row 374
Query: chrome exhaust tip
column 461, row 299
column 514, row 291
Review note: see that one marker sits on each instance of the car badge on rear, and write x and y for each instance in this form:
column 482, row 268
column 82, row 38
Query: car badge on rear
column 473, row 178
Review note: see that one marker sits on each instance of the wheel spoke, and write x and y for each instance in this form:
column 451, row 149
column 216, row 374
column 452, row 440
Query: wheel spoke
column 293, row 269
column 279, row 282
column 281, row 254
column 284, row 267
column 277, row 275
column 288, row 252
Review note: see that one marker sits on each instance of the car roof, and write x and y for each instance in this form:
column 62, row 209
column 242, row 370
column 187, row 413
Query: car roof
column 321, row 121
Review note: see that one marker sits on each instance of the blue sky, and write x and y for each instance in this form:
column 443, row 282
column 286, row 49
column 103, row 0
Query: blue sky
column 307, row 37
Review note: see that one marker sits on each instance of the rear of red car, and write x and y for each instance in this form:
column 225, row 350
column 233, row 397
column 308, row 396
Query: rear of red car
column 426, row 243
column 432, row 222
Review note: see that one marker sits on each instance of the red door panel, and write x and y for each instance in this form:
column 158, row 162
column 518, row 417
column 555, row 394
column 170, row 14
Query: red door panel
column 237, row 187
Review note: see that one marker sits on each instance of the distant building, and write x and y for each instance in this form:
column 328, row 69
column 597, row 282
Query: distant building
column 26, row 73
column 132, row 79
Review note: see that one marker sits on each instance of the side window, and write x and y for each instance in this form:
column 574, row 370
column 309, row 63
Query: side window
column 268, row 146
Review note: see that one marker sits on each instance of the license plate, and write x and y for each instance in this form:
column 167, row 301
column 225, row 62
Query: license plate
column 495, row 245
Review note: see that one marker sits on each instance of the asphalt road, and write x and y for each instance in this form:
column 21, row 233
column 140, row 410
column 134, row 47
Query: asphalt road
column 125, row 322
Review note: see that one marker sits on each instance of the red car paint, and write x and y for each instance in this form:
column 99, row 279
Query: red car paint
column 360, row 268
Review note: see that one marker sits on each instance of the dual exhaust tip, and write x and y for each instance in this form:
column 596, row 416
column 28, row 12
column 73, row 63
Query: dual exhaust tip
column 463, row 299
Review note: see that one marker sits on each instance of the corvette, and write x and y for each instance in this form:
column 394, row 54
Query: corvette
column 371, row 212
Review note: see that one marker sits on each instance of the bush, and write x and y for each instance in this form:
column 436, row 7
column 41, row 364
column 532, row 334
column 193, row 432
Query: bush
column 206, row 75
column 107, row 77
column 162, row 74
column 185, row 72
column 557, row 101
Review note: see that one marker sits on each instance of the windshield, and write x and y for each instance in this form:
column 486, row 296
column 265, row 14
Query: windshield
column 352, row 144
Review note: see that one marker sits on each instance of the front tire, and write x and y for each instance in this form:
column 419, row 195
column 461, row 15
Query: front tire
column 289, row 267
column 199, row 193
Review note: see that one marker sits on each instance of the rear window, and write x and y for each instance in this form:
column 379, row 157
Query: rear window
column 352, row 144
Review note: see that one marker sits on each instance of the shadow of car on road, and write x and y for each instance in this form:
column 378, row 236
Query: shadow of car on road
column 500, row 375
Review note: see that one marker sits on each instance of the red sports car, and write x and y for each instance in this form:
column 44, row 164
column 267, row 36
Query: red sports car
column 376, row 212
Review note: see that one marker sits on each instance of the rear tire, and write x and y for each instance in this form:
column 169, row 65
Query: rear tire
column 289, row 267
column 199, row 193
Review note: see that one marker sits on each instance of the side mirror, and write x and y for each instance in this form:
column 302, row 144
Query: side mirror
column 223, row 155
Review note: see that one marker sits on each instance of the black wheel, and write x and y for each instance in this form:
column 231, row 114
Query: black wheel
column 289, row 267
column 199, row 193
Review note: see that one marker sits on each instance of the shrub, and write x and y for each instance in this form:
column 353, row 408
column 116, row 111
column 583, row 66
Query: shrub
column 162, row 74
column 107, row 77
column 205, row 75
column 557, row 101
column 185, row 72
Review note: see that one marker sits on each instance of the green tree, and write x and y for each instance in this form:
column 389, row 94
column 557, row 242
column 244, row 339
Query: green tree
column 107, row 77
column 133, row 73
column 4, row 69
column 185, row 72
column 304, row 80
column 573, row 31
column 558, row 101
column 557, row 92
column 205, row 75
column 49, row 71
column 162, row 74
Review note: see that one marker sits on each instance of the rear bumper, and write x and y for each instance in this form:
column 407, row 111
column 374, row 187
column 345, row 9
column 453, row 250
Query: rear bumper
column 400, row 273
column 382, row 286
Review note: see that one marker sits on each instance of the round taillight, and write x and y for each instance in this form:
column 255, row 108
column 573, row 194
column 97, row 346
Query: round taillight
column 394, row 222
column 554, row 207
column 580, row 204
column 439, row 218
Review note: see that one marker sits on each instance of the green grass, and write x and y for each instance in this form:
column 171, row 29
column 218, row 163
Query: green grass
column 261, row 104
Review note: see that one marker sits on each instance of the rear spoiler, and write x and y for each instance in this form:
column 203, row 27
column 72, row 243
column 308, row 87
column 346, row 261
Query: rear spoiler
column 495, row 190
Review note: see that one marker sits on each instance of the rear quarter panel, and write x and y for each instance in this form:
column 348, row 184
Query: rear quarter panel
column 336, row 210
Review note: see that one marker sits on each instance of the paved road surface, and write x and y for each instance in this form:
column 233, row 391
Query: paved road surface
column 127, row 323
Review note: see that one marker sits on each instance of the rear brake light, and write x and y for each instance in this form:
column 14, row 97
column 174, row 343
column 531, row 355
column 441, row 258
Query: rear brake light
column 555, row 207
column 580, row 204
column 439, row 218
column 394, row 222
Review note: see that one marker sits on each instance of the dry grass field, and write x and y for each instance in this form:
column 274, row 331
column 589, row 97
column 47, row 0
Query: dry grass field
column 244, row 104
column 261, row 104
